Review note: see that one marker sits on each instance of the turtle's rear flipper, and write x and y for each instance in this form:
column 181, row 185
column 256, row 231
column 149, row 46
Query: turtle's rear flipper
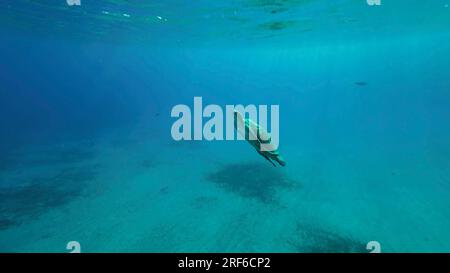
column 280, row 160
column 268, row 159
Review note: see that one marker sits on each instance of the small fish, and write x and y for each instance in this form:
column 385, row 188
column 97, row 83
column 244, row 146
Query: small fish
column 361, row 83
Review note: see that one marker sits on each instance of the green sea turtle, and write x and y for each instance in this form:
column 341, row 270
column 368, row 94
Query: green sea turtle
column 257, row 135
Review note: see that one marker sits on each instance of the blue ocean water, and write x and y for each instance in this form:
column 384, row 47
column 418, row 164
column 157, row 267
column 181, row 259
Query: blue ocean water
column 87, row 155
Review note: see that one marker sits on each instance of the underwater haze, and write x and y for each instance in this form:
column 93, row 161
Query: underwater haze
column 87, row 155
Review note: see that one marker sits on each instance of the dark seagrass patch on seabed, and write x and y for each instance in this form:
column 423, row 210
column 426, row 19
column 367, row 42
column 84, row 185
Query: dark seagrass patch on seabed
column 252, row 180
column 308, row 238
column 41, row 194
